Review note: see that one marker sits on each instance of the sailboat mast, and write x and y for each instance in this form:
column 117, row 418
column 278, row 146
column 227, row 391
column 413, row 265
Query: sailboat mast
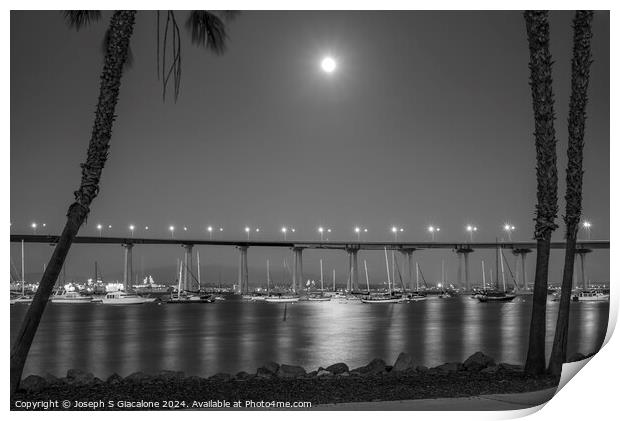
column 503, row 276
column 268, row 277
column 334, row 278
column 496, row 265
column 96, row 272
column 321, row 263
column 180, row 276
column 484, row 283
column 443, row 276
column 387, row 267
column 367, row 281
column 417, row 277
column 23, row 271
column 198, row 262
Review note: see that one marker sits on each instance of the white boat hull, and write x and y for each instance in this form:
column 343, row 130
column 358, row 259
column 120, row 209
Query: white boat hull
column 604, row 297
column 21, row 300
column 127, row 301
column 281, row 300
column 85, row 300
column 383, row 301
column 486, row 298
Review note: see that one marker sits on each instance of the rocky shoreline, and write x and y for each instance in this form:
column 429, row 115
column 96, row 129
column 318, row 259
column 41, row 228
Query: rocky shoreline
column 376, row 381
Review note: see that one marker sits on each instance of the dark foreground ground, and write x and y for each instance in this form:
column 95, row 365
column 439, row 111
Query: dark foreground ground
column 273, row 383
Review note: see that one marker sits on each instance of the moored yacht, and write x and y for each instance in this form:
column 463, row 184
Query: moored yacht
column 190, row 298
column 388, row 298
column 279, row 298
column 122, row 298
column 319, row 297
column 22, row 299
column 492, row 295
column 495, row 295
column 383, row 299
column 70, row 297
column 591, row 295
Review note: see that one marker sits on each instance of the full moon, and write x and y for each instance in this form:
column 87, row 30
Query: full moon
column 328, row 64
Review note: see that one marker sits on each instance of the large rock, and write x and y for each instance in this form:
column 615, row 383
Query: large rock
column 271, row 367
column 138, row 377
column 221, row 377
column 510, row 367
column 243, row 376
column 33, row 383
column 51, row 379
column 478, row 361
column 79, row 377
column 291, row 371
column 449, row 367
column 337, row 368
column 324, row 373
column 114, row 379
column 490, row 370
column 403, row 362
column 376, row 366
column 421, row 369
column 263, row 373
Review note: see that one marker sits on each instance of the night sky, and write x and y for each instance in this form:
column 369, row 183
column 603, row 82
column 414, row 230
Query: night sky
column 426, row 120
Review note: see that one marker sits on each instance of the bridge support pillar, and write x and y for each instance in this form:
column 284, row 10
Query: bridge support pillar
column 523, row 254
column 409, row 254
column 187, row 265
column 353, row 284
column 244, row 287
column 464, row 251
column 298, row 270
column 128, row 269
column 581, row 252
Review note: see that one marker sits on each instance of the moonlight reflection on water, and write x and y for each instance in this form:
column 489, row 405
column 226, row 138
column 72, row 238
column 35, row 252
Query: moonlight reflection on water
column 233, row 335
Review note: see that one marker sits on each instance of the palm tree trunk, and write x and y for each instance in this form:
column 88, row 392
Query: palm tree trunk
column 582, row 58
column 121, row 28
column 535, row 363
column 537, row 26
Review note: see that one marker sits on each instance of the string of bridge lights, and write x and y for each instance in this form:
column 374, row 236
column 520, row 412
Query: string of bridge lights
column 323, row 232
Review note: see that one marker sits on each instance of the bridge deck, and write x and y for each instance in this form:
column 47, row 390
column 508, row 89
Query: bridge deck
column 337, row 245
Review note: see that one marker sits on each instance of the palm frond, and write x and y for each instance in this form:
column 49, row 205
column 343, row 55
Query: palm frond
column 208, row 30
column 79, row 18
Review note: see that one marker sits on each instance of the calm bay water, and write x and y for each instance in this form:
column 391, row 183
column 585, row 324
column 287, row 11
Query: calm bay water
column 230, row 336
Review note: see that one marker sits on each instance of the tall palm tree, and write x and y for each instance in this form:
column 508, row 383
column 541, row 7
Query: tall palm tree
column 208, row 31
column 537, row 26
column 582, row 58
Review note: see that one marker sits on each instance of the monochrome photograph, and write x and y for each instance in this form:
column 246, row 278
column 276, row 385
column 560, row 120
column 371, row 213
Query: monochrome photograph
column 300, row 210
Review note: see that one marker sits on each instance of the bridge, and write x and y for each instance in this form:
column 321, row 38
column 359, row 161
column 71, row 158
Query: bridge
column 462, row 249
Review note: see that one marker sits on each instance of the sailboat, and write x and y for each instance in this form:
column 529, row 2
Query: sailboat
column 23, row 298
column 444, row 293
column 279, row 297
column 496, row 295
column 476, row 292
column 321, row 296
column 417, row 295
column 183, row 297
column 390, row 297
